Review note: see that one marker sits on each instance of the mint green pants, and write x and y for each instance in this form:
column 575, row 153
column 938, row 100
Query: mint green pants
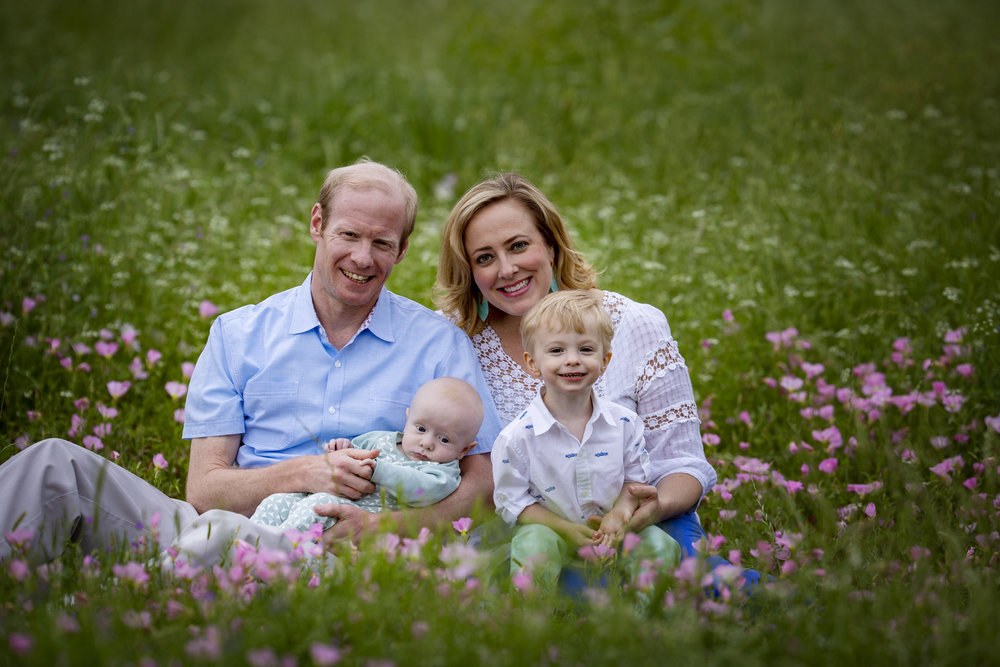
column 540, row 551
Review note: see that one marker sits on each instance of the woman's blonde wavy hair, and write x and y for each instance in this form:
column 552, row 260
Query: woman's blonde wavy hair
column 455, row 293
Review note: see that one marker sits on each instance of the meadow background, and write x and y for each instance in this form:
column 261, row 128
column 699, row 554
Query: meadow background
column 809, row 191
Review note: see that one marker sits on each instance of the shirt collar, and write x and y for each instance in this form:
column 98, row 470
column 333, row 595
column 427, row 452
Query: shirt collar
column 304, row 318
column 303, row 313
column 542, row 420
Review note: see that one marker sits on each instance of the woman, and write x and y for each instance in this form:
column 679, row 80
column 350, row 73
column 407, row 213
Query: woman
column 504, row 248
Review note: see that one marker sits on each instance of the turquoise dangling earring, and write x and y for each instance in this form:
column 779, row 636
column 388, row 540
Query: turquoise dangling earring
column 484, row 309
column 554, row 287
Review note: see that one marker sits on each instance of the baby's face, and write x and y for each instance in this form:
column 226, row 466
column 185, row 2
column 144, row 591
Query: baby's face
column 435, row 430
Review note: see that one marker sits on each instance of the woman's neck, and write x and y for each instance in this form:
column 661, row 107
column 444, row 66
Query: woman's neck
column 508, row 330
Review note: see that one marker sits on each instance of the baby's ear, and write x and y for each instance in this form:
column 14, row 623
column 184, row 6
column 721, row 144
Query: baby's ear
column 467, row 449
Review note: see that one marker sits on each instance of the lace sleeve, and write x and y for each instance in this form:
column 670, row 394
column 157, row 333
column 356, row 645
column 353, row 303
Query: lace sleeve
column 654, row 374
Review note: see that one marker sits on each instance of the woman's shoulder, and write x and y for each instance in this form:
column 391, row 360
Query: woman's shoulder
column 628, row 315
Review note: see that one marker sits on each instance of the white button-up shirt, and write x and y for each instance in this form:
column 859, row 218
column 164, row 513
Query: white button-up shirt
column 537, row 460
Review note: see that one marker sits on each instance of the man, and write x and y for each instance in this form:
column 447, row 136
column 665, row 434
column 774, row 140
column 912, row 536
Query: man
column 337, row 356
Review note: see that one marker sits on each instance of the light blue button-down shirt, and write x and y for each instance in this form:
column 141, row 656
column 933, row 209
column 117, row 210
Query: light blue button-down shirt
column 269, row 373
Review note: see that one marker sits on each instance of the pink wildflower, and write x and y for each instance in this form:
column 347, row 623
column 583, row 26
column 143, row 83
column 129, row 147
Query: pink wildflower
column 462, row 525
column 20, row 643
column 324, row 654
column 965, row 370
column 187, row 369
column 948, row 466
column 131, row 571
column 207, row 309
column 160, row 461
column 870, row 510
column 128, row 334
column 137, row 369
column 521, row 581
column 727, row 315
column 864, row 489
column 93, row 443
column 711, row 439
column 955, row 336
column 953, row 402
column 19, row 538
column 175, row 389
column 153, row 356
column 812, row 370
column 28, row 304
column 179, row 415
column 829, row 466
column 993, row 423
column 595, row 553
column 106, row 349
column 939, row 442
column 118, row 389
column 107, row 412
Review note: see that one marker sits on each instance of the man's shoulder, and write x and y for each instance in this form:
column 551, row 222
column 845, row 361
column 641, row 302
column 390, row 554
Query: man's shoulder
column 412, row 312
column 275, row 305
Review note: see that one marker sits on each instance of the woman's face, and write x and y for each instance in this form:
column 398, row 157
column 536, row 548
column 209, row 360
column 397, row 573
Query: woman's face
column 511, row 262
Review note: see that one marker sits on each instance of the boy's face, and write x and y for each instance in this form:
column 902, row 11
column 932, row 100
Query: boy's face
column 435, row 430
column 566, row 361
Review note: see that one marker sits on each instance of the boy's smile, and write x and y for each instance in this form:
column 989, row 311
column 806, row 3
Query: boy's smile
column 567, row 361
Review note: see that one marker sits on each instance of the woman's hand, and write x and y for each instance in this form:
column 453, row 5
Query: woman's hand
column 649, row 511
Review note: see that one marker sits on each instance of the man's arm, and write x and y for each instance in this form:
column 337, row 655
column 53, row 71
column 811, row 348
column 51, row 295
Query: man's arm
column 214, row 483
column 476, row 488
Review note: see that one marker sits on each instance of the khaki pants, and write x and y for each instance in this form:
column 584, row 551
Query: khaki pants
column 65, row 493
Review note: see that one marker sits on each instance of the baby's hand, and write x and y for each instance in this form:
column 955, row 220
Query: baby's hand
column 337, row 443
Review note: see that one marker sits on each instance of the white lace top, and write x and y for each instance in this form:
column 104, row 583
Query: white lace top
column 647, row 374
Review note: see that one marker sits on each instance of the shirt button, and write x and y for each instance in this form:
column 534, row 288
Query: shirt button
column 331, row 409
column 336, row 364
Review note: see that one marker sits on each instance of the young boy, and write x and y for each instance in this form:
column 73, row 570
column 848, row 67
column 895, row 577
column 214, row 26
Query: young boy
column 571, row 456
column 417, row 467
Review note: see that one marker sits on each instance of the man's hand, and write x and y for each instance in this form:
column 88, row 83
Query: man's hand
column 349, row 472
column 335, row 444
column 352, row 523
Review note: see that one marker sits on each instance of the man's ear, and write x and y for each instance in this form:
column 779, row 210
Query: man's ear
column 529, row 361
column 402, row 253
column 316, row 222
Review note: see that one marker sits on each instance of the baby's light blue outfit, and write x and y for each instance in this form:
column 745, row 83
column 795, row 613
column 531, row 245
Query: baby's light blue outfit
column 398, row 480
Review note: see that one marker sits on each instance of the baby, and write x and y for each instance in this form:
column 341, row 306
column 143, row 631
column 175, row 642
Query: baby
column 417, row 467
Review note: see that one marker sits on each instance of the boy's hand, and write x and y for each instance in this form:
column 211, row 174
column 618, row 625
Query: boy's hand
column 580, row 535
column 612, row 528
column 335, row 444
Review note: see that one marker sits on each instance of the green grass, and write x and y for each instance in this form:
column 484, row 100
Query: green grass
column 831, row 167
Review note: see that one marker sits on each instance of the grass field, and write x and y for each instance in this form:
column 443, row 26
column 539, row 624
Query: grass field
column 809, row 190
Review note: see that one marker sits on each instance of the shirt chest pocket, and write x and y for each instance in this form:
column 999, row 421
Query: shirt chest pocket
column 387, row 410
column 271, row 410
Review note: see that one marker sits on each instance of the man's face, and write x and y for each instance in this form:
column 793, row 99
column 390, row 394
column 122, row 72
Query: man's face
column 356, row 248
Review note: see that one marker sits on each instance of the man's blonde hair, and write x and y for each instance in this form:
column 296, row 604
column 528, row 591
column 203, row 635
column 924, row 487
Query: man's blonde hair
column 577, row 310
